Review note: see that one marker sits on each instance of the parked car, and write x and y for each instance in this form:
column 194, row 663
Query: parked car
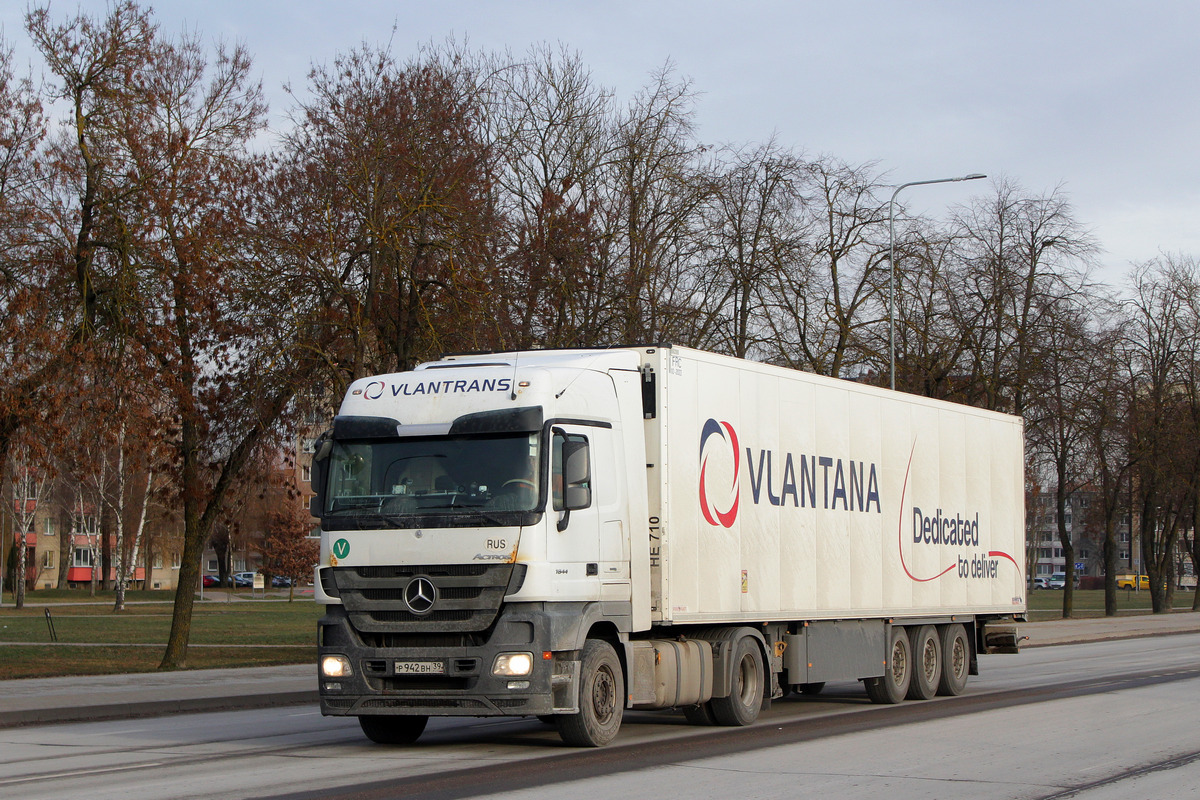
column 243, row 579
column 281, row 582
column 1040, row 582
column 1058, row 580
column 1133, row 581
column 210, row 581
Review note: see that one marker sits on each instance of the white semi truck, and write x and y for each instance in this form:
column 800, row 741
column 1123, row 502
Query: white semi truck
column 568, row 534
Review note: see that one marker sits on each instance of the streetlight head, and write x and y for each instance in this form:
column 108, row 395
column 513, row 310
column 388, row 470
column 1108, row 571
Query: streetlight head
column 974, row 176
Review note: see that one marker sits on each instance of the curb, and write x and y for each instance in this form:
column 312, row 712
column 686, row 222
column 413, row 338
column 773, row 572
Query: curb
column 152, row 708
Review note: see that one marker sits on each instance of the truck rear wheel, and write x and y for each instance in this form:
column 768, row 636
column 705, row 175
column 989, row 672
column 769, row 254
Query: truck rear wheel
column 927, row 662
column 745, row 698
column 892, row 686
column 390, row 729
column 956, row 660
column 601, row 698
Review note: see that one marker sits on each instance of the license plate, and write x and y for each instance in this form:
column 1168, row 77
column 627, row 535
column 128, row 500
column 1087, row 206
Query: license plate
column 420, row 668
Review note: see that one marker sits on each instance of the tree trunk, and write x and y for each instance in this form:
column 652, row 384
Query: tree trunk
column 19, row 572
column 1110, row 566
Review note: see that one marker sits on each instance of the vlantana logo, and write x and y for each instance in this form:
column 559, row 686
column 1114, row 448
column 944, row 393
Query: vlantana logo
column 719, row 442
column 376, row 389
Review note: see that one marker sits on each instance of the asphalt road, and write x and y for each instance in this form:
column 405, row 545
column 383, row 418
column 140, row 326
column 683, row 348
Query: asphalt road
column 45, row 700
column 1054, row 722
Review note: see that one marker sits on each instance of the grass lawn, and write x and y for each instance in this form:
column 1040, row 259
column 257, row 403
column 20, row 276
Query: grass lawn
column 254, row 631
column 1046, row 604
column 93, row 640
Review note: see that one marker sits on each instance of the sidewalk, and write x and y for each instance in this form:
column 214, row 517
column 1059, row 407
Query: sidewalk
column 1092, row 629
column 146, row 694
column 47, row 700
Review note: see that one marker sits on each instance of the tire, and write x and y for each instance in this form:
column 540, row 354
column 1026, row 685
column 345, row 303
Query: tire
column 810, row 688
column 601, row 698
column 892, row 686
column 700, row 715
column 927, row 662
column 745, row 698
column 391, row 729
column 956, row 660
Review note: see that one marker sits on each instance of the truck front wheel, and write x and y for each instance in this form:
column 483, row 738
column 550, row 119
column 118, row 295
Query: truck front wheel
column 745, row 698
column 892, row 686
column 389, row 729
column 601, row 698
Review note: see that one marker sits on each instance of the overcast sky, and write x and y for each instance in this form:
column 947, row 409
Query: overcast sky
column 1094, row 96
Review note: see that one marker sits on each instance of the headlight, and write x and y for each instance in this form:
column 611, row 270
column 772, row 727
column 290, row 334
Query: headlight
column 513, row 664
column 336, row 667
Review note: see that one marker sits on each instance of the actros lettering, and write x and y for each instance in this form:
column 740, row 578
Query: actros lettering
column 820, row 482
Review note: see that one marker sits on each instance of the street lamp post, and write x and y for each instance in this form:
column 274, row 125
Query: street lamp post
column 892, row 264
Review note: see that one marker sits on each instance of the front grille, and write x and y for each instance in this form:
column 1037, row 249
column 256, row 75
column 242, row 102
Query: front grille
column 449, row 640
column 433, row 616
column 513, row 702
column 416, row 702
column 468, row 597
column 439, row 683
column 401, row 571
column 450, row 593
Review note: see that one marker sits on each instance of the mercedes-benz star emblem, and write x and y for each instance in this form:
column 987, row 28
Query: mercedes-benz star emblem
column 420, row 595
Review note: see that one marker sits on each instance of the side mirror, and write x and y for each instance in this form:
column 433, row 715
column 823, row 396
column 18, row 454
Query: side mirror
column 577, row 478
column 320, row 472
column 577, row 475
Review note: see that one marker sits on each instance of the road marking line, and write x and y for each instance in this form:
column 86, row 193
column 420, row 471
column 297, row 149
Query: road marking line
column 79, row 772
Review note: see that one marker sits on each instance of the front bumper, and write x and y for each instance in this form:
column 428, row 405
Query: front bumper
column 465, row 685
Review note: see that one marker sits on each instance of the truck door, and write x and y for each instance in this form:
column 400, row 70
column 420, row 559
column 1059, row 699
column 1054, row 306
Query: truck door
column 573, row 502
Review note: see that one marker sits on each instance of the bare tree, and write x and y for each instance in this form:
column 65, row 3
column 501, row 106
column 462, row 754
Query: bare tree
column 394, row 159
column 1157, row 341
column 821, row 306
column 1105, row 413
column 552, row 127
column 651, row 215
column 27, row 491
column 288, row 552
column 754, row 241
column 1190, row 383
column 167, row 179
column 1021, row 252
column 34, row 333
column 1061, row 386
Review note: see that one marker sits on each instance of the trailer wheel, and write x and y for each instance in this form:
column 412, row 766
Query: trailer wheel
column 601, row 698
column 927, row 662
column 745, row 698
column 391, row 729
column 956, row 660
column 892, row 686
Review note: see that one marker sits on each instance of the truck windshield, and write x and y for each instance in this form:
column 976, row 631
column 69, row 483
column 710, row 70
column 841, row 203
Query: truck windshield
column 444, row 481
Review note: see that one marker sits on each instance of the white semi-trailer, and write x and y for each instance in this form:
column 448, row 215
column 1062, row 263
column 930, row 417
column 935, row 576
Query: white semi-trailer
column 572, row 533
